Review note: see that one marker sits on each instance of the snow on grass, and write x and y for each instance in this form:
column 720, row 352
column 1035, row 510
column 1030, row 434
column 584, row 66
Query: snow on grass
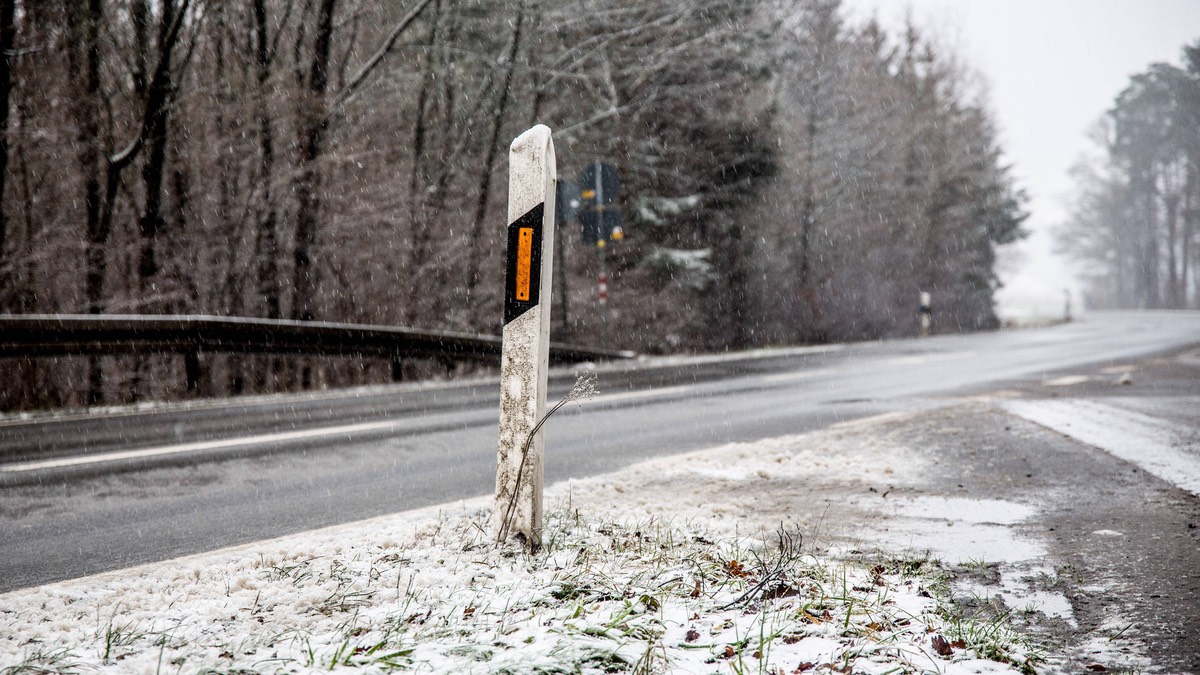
column 602, row 596
column 637, row 575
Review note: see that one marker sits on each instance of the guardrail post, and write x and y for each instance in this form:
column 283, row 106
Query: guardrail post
column 525, row 348
column 191, row 368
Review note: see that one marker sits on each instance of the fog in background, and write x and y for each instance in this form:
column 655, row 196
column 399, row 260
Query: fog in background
column 1052, row 68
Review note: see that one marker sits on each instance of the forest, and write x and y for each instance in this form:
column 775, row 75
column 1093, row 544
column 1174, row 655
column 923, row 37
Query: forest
column 1135, row 223
column 787, row 176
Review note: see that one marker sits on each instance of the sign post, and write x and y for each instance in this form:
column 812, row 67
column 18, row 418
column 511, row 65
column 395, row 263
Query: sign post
column 525, row 351
column 600, row 218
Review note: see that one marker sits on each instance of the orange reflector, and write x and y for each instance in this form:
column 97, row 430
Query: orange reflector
column 524, row 262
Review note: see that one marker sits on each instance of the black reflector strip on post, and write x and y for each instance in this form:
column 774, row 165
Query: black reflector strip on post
column 523, row 276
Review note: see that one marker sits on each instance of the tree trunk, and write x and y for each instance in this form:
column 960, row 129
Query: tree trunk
column 1148, row 270
column 312, row 132
column 1191, row 209
column 1174, row 290
column 157, row 98
column 7, row 31
column 268, row 237
column 485, row 182
column 419, row 178
column 308, row 209
column 267, row 227
column 83, row 25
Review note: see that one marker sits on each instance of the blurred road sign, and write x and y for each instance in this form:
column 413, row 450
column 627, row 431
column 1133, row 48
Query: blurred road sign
column 602, row 180
column 599, row 216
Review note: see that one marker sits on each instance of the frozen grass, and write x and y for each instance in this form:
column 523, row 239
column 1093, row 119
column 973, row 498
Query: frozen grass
column 648, row 596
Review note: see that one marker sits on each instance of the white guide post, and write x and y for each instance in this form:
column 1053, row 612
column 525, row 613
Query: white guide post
column 926, row 310
column 525, row 354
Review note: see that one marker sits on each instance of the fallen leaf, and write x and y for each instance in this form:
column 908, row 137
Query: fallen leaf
column 804, row 666
column 692, row 636
column 1096, row 667
column 729, row 652
column 941, row 646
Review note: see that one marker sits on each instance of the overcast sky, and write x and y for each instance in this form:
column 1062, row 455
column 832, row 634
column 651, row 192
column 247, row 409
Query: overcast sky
column 1053, row 67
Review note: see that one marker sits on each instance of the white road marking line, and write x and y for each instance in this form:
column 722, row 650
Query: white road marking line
column 634, row 395
column 166, row 450
column 193, row 447
column 927, row 358
column 1168, row 450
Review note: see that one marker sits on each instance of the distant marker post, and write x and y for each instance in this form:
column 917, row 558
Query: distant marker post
column 926, row 311
column 525, row 354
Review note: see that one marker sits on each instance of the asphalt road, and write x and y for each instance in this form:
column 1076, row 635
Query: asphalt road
column 88, row 493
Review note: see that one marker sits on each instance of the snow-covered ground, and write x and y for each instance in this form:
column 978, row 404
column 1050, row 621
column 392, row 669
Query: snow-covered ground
column 742, row 558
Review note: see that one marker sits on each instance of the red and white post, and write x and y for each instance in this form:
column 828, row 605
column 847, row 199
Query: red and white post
column 525, row 352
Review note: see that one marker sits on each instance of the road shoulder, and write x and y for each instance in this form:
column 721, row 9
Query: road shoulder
column 1091, row 556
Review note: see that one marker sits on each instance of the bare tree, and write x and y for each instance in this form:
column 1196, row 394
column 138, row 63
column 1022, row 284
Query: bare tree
column 7, row 35
column 1134, row 222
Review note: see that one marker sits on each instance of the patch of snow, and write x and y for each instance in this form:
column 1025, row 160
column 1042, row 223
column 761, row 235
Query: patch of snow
column 959, row 530
column 1165, row 449
column 972, row 532
column 975, row 511
column 656, row 210
column 960, row 542
column 1105, row 648
column 1019, row 592
column 692, row 267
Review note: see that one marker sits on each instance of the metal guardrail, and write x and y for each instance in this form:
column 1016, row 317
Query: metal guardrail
column 40, row 335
